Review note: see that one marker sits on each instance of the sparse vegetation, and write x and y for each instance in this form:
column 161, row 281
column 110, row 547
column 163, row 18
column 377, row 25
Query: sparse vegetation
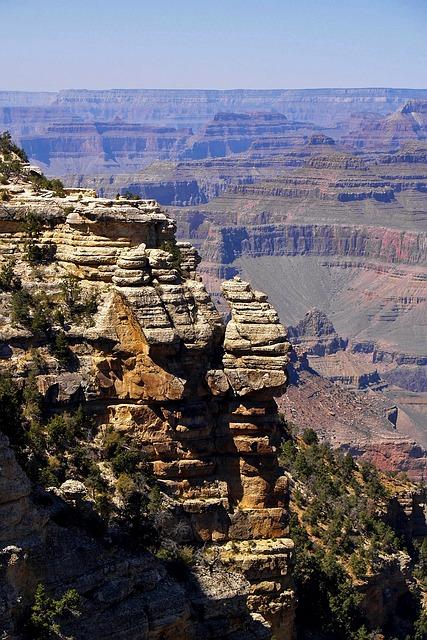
column 8, row 280
column 11, row 161
column 37, row 313
column 60, row 348
column 40, row 253
column 172, row 248
column 309, row 436
column 10, row 169
column 129, row 195
column 11, row 158
column 9, row 148
column 10, row 407
column 32, row 225
column 45, row 316
column 177, row 558
column 338, row 522
column 37, row 253
column 78, row 307
column 22, row 303
column 48, row 614
column 53, row 448
column 40, row 182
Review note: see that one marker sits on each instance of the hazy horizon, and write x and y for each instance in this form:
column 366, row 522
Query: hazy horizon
column 103, row 44
column 219, row 89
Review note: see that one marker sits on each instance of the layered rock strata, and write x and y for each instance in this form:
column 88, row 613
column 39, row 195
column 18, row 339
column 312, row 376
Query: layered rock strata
column 363, row 423
column 64, row 147
column 316, row 335
column 157, row 363
column 371, row 131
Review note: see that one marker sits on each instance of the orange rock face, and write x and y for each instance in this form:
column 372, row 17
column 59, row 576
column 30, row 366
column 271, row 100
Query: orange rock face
column 197, row 396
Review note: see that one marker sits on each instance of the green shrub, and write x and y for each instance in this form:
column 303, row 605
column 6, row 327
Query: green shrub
column 32, row 399
column 346, row 466
column 33, row 312
column 186, row 554
column 37, row 253
column 155, row 499
column 10, row 408
column 133, row 519
column 125, row 485
column 420, row 626
column 94, row 479
column 10, row 169
column 111, row 442
column 40, row 182
column 61, row 432
column 48, row 613
column 8, row 147
column 47, row 478
column 125, row 461
column 60, row 348
column 8, row 280
column 40, row 253
column 287, row 454
column 21, row 305
column 77, row 306
column 104, row 505
column 325, row 593
column 309, row 436
column 302, row 465
column 178, row 559
column 358, row 565
column 32, row 225
column 123, row 454
column 287, row 428
column 166, row 555
column 422, row 560
column 171, row 247
column 71, row 293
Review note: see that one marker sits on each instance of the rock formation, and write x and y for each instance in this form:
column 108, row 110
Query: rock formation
column 156, row 362
column 195, row 107
column 316, row 335
column 93, row 147
column 315, row 224
column 390, row 132
column 327, row 352
column 339, row 228
column 256, row 133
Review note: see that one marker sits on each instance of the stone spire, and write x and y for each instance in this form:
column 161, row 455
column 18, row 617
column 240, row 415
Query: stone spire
column 255, row 343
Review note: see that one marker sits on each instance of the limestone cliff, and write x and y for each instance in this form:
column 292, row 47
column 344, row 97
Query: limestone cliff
column 155, row 363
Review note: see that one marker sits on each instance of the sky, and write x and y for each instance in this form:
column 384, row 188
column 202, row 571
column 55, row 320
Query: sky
column 47, row 45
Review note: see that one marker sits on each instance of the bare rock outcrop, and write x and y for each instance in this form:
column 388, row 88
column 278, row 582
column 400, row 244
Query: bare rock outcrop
column 156, row 363
column 255, row 341
column 316, row 335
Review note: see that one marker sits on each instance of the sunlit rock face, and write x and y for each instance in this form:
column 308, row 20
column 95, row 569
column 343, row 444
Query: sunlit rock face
column 158, row 363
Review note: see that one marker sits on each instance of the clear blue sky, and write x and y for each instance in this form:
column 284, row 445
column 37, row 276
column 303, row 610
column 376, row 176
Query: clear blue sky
column 55, row 44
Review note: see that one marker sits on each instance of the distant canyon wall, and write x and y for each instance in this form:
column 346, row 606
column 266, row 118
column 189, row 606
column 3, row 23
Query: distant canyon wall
column 193, row 107
column 87, row 131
